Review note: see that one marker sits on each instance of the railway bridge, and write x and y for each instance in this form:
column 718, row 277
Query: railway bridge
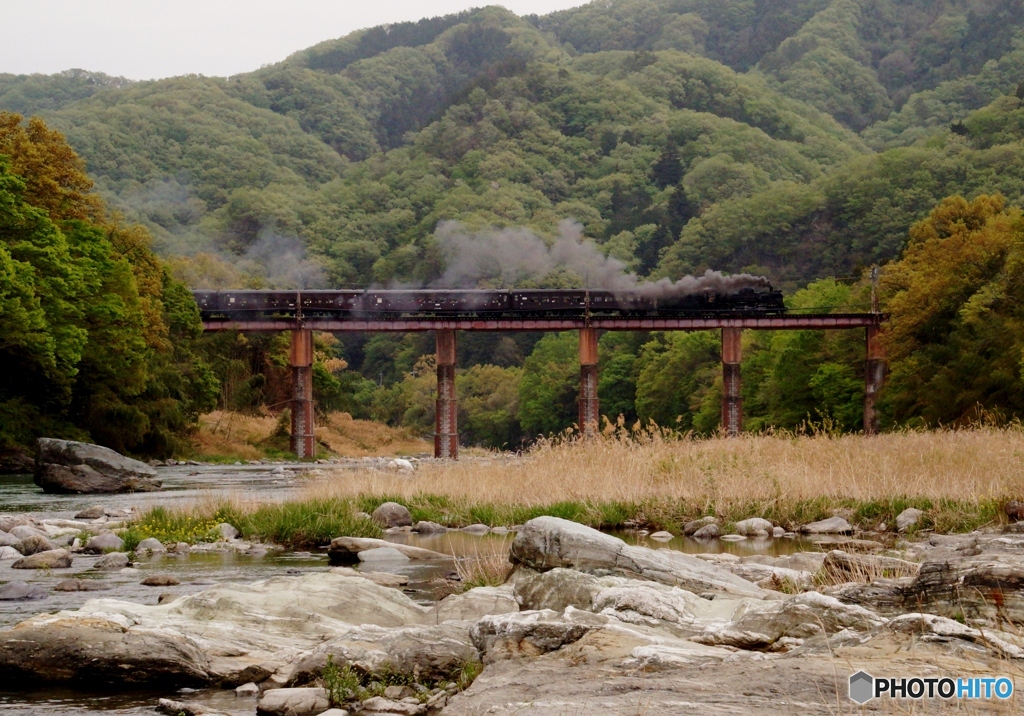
column 446, row 327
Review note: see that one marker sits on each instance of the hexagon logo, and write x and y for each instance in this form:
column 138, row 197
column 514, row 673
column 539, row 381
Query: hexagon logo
column 862, row 687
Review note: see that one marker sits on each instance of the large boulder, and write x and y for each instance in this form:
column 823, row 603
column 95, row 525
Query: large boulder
column 67, row 466
column 113, row 560
column 99, row 649
column 752, row 526
column 106, row 542
column 431, row 652
column 549, row 542
column 33, row 544
column 987, row 586
column 292, row 702
column 50, row 559
column 392, row 514
column 91, row 513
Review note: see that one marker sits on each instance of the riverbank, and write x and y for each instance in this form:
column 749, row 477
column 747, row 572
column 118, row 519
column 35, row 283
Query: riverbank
column 961, row 480
column 226, row 436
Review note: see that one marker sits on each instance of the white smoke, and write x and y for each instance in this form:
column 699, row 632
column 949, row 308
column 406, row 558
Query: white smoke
column 282, row 262
column 509, row 257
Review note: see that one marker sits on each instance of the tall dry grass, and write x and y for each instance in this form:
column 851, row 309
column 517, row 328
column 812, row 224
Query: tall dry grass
column 959, row 478
column 962, row 465
column 486, row 565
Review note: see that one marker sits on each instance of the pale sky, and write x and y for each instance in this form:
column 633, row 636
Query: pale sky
column 148, row 39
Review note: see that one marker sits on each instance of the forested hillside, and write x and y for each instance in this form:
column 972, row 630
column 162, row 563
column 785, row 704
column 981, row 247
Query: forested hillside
column 801, row 139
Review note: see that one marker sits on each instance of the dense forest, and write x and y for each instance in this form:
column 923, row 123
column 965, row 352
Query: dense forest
column 805, row 140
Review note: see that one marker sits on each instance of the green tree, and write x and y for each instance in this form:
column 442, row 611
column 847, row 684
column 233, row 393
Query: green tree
column 549, row 389
column 954, row 338
column 676, row 372
column 111, row 350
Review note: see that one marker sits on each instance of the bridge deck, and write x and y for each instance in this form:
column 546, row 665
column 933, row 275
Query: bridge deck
column 816, row 321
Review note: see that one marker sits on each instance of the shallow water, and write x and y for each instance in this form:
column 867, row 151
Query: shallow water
column 56, row 701
column 180, row 484
column 196, row 571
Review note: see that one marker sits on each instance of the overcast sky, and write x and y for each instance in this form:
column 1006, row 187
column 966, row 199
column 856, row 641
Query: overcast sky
column 147, row 39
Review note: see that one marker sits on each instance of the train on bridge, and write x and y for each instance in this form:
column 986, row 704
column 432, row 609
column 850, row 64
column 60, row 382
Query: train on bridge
column 486, row 304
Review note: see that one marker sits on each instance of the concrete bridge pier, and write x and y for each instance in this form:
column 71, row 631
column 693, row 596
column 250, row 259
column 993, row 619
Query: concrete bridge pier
column 446, row 430
column 732, row 399
column 590, row 409
column 874, row 378
column 303, row 439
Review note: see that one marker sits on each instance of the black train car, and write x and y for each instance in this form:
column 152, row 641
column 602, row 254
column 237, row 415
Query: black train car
column 235, row 303
column 249, row 303
column 600, row 303
column 546, row 302
column 434, row 302
column 329, row 303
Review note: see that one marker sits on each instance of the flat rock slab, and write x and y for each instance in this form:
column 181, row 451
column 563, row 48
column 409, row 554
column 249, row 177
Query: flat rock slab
column 548, row 542
column 384, row 579
column 345, row 550
column 81, row 585
column 382, row 554
column 620, row 675
column 220, row 634
column 831, row 526
column 161, row 580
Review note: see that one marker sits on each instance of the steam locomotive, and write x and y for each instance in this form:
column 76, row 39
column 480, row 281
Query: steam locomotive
column 514, row 303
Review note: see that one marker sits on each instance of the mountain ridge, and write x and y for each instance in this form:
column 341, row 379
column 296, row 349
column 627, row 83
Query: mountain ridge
column 663, row 126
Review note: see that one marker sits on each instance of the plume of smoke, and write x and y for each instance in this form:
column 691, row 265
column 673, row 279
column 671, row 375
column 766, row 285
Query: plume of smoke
column 283, row 262
column 512, row 256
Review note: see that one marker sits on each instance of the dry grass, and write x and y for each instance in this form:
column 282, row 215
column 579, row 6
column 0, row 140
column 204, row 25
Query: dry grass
column 843, row 568
column 237, row 436
column 487, row 566
column 956, row 476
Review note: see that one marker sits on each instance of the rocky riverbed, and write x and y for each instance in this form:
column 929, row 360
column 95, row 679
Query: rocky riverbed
column 724, row 618
column 586, row 622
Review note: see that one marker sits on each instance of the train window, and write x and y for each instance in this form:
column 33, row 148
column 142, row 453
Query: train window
column 231, row 299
